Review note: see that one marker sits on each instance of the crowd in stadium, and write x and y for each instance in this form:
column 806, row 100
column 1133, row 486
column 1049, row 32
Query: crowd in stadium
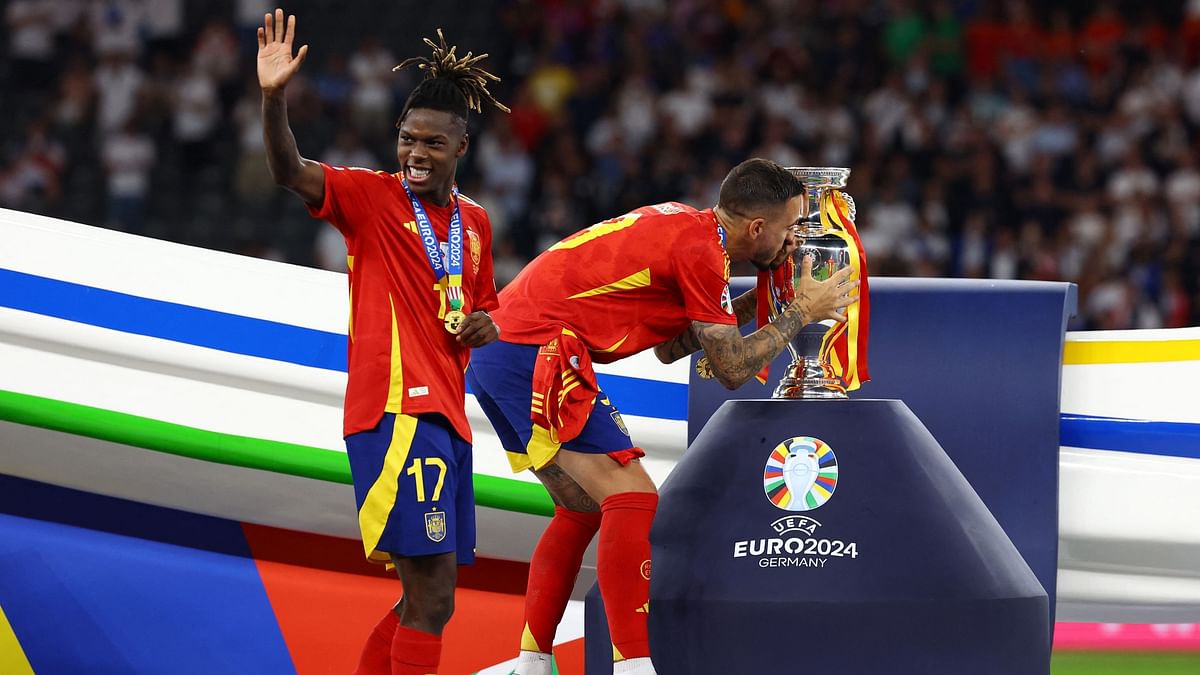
column 1001, row 139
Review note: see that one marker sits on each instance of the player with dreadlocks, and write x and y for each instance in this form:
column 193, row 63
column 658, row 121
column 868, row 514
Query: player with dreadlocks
column 421, row 286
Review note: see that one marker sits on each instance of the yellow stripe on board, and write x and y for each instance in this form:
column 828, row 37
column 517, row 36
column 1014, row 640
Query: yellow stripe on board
column 12, row 658
column 1130, row 351
column 381, row 498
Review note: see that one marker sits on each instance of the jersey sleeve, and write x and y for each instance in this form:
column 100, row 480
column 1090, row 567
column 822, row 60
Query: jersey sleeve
column 485, row 280
column 349, row 193
column 702, row 273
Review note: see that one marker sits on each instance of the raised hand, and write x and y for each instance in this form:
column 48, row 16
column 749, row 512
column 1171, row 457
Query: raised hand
column 820, row 300
column 276, row 65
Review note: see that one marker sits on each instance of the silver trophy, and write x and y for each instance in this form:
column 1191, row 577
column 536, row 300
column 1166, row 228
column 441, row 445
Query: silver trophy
column 808, row 376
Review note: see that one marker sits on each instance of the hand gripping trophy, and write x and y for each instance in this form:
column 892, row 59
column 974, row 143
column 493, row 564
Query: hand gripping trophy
column 828, row 358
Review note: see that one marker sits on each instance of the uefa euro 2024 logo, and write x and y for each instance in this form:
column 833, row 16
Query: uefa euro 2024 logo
column 801, row 474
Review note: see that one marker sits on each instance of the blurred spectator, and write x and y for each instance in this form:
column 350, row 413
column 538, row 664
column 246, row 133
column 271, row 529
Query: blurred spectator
column 129, row 156
column 32, row 180
column 76, row 96
column 164, row 27
column 329, row 252
column 196, row 116
column 508, row 172
column 31, row 42
column 119, row 82
column 348, row 150
column 371, row 101
column 116, row 27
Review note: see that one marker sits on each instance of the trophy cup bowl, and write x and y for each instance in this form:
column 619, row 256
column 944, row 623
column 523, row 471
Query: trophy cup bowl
column 808, row 376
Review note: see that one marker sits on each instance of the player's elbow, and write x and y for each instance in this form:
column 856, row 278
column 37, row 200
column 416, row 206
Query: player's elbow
column 285, row 175
column 728, row 381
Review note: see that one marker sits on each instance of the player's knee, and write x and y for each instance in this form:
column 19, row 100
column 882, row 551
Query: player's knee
column 433, row 610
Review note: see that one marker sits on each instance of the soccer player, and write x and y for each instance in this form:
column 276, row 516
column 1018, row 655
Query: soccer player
column 656, row 277
column 421, row 287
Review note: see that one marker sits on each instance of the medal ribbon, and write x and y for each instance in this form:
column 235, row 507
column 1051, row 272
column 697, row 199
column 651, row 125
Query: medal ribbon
column 449, row 276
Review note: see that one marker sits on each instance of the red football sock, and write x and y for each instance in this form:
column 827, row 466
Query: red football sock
column 376, row 658
column 552, row 572
column 415, row 652
column 623, row 569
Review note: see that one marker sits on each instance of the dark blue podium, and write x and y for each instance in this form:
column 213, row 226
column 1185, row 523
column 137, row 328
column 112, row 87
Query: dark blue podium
column 979, row 362
column 888, row 563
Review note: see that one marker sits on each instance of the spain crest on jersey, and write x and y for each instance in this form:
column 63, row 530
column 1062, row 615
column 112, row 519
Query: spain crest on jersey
column 435, row 525
column 475, row 249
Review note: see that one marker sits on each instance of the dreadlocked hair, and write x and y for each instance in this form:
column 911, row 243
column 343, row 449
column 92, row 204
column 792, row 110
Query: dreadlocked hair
column 453, row 84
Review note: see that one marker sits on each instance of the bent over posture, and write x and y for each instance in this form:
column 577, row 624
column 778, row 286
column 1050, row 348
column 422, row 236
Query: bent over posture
column 655, row 277
column 420, row 272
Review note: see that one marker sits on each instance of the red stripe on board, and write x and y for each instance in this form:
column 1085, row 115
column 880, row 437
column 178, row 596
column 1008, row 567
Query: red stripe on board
column 1127, row 636
column 327, row 598
column 569, row 657
column 346, row 555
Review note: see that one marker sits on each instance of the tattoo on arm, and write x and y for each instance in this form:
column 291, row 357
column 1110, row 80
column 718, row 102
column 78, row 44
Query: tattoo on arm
column 736, row 359
column 565, row 491
column 745, row 308
column 679, row 346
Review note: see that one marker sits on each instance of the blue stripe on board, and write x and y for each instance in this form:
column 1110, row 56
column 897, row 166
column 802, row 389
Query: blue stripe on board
column 1171, row 439
column 132, row 605
column 171, row 321
column 238, row 334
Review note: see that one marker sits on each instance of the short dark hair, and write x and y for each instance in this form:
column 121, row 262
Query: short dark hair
column 453, row 84
column 756, row 184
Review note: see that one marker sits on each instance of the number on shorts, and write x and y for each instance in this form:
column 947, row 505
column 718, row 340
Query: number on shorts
column 418, row 473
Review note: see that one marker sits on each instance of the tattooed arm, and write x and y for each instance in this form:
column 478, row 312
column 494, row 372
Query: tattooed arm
column 735, row 359
column 745, row 306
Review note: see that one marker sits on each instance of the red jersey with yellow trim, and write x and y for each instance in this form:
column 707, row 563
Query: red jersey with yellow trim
column 624, row 284
column 402, row 359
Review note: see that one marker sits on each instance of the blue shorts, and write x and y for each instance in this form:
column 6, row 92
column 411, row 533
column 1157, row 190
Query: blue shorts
column 501, row 377
column 413, row 485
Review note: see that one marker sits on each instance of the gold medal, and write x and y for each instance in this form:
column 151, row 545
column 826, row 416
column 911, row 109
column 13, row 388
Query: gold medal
column 454, row 321
column 704, row 368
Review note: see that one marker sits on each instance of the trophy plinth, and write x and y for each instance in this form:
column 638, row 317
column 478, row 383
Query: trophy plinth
column 809, row 376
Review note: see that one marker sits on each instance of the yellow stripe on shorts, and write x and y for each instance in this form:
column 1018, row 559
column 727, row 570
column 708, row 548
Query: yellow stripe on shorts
column 381, row 498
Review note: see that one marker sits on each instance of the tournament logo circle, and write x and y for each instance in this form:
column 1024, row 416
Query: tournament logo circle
column 801, row 474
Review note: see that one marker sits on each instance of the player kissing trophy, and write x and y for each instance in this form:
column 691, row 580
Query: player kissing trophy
column 828, row 358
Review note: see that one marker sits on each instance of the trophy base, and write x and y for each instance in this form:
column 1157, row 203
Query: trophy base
column 808, row 379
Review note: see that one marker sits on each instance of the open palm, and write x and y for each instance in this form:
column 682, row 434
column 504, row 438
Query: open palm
column 276, row 65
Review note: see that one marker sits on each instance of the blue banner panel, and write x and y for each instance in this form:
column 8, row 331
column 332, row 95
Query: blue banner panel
column 834, row 537
column 84, row 600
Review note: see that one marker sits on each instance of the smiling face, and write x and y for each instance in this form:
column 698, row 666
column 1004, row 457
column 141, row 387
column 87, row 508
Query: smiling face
column 428, row 148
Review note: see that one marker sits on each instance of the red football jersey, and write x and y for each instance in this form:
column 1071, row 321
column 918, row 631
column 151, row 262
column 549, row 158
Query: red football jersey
column 402, row 359
column 624, row 284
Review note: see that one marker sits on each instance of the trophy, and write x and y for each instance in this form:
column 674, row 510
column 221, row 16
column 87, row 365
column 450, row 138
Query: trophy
column 827, row 233
column 828, row 357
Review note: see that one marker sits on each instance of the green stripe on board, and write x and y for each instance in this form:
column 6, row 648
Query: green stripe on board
column 252, row 453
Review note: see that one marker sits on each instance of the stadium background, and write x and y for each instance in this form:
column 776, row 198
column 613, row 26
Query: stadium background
column 988, row 139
